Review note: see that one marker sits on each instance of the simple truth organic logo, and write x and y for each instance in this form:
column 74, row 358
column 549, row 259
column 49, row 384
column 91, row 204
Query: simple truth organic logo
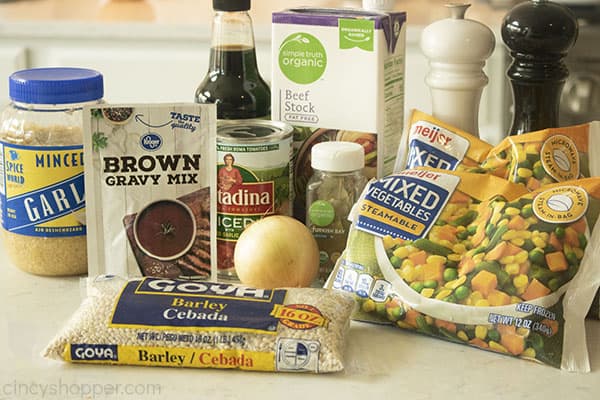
column 302, row 58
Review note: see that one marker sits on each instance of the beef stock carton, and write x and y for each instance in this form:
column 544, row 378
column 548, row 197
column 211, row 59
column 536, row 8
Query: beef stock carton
column 338, row 74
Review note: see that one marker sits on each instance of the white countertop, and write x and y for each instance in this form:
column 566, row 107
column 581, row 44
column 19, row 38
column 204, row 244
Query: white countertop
column 380, row 362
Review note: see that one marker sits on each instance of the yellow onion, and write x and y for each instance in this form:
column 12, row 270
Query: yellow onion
column 276, row 251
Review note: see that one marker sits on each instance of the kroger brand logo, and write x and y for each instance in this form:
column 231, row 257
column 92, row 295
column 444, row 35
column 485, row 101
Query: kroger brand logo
column 151, row 141
column 100, row 352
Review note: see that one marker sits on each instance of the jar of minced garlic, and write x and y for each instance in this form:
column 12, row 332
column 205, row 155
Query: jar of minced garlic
column 42, row 196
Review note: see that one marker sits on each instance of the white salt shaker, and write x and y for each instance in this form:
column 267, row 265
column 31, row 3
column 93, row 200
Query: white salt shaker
column 457, row 49
column 378, row 5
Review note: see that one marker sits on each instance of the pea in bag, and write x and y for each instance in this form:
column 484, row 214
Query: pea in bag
column 477, row 260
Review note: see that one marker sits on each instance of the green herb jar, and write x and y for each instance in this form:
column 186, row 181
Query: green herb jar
column 334, row 187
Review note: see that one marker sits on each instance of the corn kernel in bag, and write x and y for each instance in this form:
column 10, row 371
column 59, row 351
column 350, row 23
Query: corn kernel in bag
column 429, row 142
column 477, row 260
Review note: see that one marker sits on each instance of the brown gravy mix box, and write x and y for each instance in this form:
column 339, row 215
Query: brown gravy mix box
column 338, row 74
column 149, row 177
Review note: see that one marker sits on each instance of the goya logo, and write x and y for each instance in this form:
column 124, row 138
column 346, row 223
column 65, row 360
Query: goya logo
column 299, row 316
column 357, row 33
column 302, row 58
column 560, row 158
column 563, row 204
column 169, row 286
column 151, row 141
column 94, row 352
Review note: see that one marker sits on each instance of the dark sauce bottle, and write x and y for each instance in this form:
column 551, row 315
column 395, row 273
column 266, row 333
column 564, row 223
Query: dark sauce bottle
column 233, row 82
column 538, row 34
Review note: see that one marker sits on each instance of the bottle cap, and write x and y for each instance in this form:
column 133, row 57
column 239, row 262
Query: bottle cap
column 337, row 156
column 231, row 5
column 56, row 85
column 379, row 5
column 542, row 28
column 457, row 40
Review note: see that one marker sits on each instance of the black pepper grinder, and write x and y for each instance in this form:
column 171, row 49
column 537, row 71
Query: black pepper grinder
column 539, row 34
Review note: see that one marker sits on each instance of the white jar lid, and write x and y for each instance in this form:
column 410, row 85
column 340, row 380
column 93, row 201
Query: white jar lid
column 337, row 156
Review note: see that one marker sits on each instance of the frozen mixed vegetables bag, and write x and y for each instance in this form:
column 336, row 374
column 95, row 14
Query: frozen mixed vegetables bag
column 477, row 260
column 429, row 142
column 551, row 155
column 533, row 159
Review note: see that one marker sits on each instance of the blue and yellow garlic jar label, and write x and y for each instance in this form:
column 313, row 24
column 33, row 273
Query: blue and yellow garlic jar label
column 42, row 190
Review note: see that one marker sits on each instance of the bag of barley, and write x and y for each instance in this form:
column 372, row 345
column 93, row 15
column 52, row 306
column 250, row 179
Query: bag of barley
column 182, row 323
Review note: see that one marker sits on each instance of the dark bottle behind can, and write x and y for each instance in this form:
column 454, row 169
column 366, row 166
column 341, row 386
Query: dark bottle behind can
column 233, row 82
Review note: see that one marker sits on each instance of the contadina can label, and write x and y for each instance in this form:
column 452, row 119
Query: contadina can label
column 253, row 180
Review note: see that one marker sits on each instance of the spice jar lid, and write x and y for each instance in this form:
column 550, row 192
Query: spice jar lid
column 231, row 5
column 337, row 156
column 56, row 85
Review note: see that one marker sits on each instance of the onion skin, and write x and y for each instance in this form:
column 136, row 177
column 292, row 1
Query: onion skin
column 276, row 251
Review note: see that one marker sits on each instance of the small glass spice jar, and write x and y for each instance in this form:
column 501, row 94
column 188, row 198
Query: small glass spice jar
column 334, row 187
column 42, row 199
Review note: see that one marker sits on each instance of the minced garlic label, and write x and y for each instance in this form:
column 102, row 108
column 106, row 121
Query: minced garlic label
column 42, row 190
